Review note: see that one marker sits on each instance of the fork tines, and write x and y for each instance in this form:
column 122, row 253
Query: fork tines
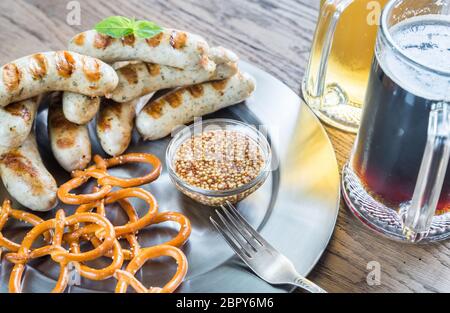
column 239, row 234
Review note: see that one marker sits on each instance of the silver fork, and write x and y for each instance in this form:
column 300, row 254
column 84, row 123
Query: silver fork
column 257, row 253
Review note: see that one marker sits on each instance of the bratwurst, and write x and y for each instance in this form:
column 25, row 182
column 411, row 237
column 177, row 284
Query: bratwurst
column 26, row 178
column 16, row 121
column 137, row 80
column 170, row 47
column 115, row 124
column 55, row 71
column 70, row 142
column 159, row 117
column 78, row 108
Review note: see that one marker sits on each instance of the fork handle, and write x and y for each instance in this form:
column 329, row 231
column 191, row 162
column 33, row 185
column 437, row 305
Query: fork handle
column 307, row 285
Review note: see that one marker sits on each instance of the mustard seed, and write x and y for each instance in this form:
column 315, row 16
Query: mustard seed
column 218, row 160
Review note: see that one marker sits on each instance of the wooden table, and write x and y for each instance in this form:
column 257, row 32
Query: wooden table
column 275, row 35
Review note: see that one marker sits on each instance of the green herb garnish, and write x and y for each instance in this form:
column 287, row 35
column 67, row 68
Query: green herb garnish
column 119, row 27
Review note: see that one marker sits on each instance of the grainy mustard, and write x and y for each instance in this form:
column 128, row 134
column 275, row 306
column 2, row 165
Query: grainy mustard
column 218, row 160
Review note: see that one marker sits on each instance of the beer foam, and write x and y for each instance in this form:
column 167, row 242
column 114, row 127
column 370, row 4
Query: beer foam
column 426, row 40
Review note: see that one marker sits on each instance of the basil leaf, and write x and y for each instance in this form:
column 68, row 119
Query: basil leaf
column 116, row 26
column 146, row 29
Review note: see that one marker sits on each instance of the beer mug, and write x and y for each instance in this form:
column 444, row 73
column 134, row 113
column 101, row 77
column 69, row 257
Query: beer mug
column 397, row 180
column 335, row 82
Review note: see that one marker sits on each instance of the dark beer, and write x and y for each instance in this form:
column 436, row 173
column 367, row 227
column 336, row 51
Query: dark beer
column 392, row 138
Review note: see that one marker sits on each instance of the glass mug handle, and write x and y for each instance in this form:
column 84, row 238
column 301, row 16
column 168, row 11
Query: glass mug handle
column 330, row 13
column 420, row 212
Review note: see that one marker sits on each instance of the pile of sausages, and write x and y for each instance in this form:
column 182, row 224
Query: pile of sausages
column 105, row 77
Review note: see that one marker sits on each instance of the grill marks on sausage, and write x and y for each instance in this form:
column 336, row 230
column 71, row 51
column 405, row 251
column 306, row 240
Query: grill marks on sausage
column 128, row 40
column 155, row 41
column 79, row 39
column 178, row 40
column 11, row 77
column 196, row 91
column 63, row 128
column 102, row 41
column 109, row 110
column 130, row 74
column 220, row 85
column 23, row 167
column 175, row 99
column 38, row 66
column 65, row 64
column 155, row 108
column 91, row 69
column 153, row 69
column 19, row 109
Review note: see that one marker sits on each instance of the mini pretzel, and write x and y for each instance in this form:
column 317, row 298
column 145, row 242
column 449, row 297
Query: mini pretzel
column 127, row 279
column 142, row 222
column 5, row 213
column 104, row 273
column 122, row 194
column 99, row 207
column 69, row 198
column 96, row 228
column 56, row 251
column 73, row 239
column 124, row 159
column 131, row 238
column 23, row 255
column 185, row 227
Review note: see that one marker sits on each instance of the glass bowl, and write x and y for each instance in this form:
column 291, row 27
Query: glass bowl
column 218, row 197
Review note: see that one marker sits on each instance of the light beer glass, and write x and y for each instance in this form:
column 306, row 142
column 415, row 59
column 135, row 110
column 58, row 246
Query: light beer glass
column 397, row 180
column 341, row 56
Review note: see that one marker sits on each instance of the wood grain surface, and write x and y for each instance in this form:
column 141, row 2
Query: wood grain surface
column 276, row 36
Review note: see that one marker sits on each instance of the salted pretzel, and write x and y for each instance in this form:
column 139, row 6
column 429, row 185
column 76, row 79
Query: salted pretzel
column 99, row 207
column 104, row 273
column 99, row 171
column 23, row 255
column 178, row 241
column 185, row 227
column 142, row 222
column 81, row 177
column 125, row 159
column 91, row 224
column 130, row 238
column 134, row 225
column 126, row 278
column 7, row 212
column 106, row 181
column 55, row 250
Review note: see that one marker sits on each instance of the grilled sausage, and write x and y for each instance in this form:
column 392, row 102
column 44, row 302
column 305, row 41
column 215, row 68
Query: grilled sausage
column 221, row 55
column 170, row 47
column 16, row 121
column 115, row 125
column 26, row 178
column 158, row 118
column 70, row 142
column 78, row 108
column 55, row 71
column 137, row 80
